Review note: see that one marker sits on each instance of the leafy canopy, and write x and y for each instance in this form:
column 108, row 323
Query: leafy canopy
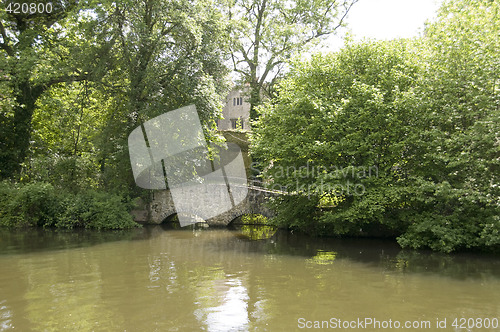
column 424, row 112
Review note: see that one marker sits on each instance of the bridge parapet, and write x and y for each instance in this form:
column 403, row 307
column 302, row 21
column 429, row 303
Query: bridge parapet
column 162, row 206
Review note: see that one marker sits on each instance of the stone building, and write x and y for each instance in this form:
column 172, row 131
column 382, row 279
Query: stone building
column 236, row 112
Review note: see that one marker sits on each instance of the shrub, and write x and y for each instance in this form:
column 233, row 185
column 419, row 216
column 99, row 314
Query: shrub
column 424, row 112
column 95, row 210
column 33, row 204
column 40, row 204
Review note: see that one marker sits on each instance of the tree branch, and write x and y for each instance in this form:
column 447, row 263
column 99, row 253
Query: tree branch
column 345, row 13
column 5, row 46
column 65, row 79
column 270, row 66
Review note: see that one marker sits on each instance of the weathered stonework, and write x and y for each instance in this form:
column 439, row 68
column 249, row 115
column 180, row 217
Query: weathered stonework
column 236, row 108
column 162, row 205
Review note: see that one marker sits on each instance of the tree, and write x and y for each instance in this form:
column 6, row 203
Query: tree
column 171, row 54
column 115, row 64
column 457, row 162
column 425, row 113
column 334, row 137
column 40, row 50
column 267, row 33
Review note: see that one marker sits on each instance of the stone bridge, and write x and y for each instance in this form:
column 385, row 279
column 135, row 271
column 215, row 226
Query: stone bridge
column 162, row 205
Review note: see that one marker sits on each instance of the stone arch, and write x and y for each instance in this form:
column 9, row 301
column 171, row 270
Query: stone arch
column 195, row 218
column 168, row 216
column 162, row 207
column 165, row 215
column 226, row 218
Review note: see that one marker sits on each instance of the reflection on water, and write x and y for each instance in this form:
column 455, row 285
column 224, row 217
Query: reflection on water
column 229, row 311
column 324, row 257
column 255, row 232
column 157, row 279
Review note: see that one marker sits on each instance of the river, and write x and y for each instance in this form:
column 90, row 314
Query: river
column 251, row 279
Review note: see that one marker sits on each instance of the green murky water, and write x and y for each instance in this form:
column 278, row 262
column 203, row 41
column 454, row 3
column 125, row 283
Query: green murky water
column 157, row 279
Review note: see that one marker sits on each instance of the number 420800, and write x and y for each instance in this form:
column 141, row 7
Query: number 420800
column 470, row 323
column 29, row 8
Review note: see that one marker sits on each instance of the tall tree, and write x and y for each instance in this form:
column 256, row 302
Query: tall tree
column 171, row 54
column 457, row 159
column 266, row 33
column 424, row 112
column 40, row 49
column 333, row 137
column 170, row 51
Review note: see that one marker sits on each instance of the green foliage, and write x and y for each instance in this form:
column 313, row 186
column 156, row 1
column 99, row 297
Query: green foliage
column 72, row 174
column 266, row 34
column 424, row 115
column 34, row 204
column 39, row 51
column 171, row 54
column 335, row 130
column 96, row 210
column 40, row 204
column 76, row 82
column 456, row 164
column 254, row 219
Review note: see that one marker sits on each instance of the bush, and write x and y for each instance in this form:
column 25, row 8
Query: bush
column 95, row 210
column 424, row 112
column 40, row 204
column 34, row 204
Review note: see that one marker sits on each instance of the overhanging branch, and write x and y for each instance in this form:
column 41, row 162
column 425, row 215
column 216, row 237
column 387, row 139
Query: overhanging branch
column 5, row 41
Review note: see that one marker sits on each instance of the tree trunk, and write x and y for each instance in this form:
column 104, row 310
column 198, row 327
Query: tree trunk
column 254, row 100
column 19, row 141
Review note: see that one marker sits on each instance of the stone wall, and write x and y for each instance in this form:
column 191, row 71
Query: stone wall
column 235, row 110
column 162, row 206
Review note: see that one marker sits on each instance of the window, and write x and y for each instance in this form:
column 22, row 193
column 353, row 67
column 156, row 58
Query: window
column 238, row 101
column 237, row 123
column 234, row 123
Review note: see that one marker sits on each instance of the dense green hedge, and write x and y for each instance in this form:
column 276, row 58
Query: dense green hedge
column 41, row 204
column 399, row 136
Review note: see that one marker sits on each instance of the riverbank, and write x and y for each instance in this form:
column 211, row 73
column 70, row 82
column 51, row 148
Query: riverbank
column 42, row 205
